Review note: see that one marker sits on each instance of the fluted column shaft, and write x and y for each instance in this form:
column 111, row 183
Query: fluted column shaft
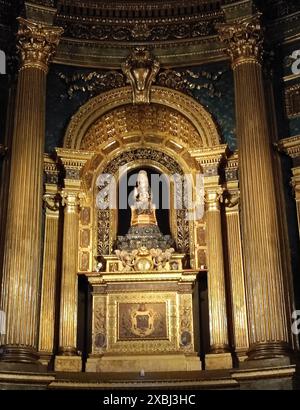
column 50, row 274
column 268, row 331
column 216, row 275
column 296, row 185
column 21, row 267
column 68, row 302
column 236, row 271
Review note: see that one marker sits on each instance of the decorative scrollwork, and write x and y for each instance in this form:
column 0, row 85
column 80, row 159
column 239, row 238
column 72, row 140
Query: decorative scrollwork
column 141, row 68
column 103, row 229
column 140, row 31
column 52, row 201
column 231, row 198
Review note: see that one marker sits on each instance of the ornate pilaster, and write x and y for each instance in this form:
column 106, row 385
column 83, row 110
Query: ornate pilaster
column 50, row 262
column 235, row 260
column 21, row 265
column 72, row 196
column 266, row 299
column 291, row 146
column 219, row 356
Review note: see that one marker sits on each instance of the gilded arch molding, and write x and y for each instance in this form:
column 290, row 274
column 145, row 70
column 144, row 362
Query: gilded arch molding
column 98, row 106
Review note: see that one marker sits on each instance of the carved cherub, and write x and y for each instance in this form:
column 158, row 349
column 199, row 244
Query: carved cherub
column 127, row 259
column 161, row 258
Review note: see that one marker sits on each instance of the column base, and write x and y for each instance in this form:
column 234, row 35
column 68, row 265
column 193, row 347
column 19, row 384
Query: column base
column 67, row 351
column 46, row 358
column 270, row 350
column 18, row 354
column 148, row 363
column 241, row 355
column 68, row 364
column 215, row 361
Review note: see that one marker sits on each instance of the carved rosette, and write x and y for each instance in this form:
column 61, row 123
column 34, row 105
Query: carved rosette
column 37, row 44
column 244, row 40
column 141, row 69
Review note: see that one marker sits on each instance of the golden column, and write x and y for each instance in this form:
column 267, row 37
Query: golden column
column 21, row 266
column 234, row 260
column 267, row 317
column 219, row 356
column 50, row 263
column 72, row 196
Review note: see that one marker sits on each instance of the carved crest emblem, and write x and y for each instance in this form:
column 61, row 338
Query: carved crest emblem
column 142, row 321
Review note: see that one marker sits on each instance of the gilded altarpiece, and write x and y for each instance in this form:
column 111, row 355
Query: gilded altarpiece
column 173, row 135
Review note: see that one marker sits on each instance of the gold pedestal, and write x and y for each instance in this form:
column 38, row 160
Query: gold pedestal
column 143, row 321
column 68, row 364
column 148, row 363
column 215, row 361
column 138, row 219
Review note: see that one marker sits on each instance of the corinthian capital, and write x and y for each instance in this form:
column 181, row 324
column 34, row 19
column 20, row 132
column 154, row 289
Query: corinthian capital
column 72, row 201
column 37, row 43
column 213, row 198
column 244, row 39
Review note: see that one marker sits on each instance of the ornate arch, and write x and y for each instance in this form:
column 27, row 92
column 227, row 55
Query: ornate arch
column 180, row 226
column 195, row 114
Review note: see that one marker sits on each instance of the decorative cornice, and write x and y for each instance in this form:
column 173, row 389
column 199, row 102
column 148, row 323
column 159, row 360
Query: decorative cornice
column 51, row 170
column 37, row 44
column 243, row 39
column 110, row 55
column 291, row 146
column 128, row 11
column 231, row 169
column 73, row 161
column 210, row 158
column 41, row 11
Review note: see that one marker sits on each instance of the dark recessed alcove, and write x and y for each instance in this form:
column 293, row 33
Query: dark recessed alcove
column 160, row 196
